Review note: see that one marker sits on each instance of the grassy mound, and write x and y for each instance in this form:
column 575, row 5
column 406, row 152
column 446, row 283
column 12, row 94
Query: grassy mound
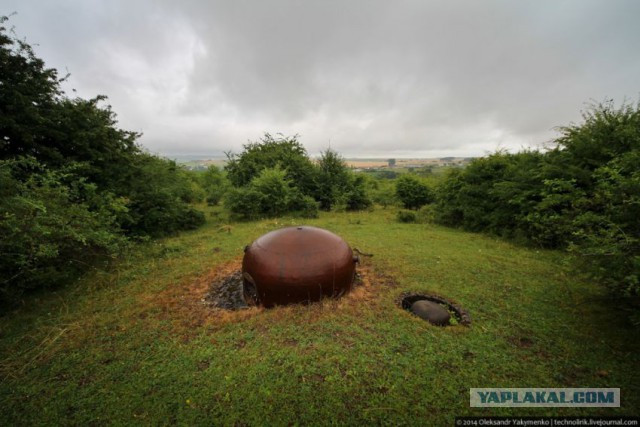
column 138, row 344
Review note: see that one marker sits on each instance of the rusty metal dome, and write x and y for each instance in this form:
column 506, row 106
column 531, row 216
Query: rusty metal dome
column 297, row 264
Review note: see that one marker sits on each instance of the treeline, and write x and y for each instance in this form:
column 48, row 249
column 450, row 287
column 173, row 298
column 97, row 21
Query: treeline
column 582, row 195
column 74, row 188
column 276, row 176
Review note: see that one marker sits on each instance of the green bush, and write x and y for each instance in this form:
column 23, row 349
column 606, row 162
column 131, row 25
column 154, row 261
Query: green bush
column 297, row 183
column 426, row 214
column 270, row 152
column 73, row 183
column 338, row 188
column 412, row 192
column 383, row 193
column 606, row 235
column 406, row 216
column 583, row 195
column 275, row 191
column 244, row 203
column 158, row 198
column 356, row 196
column 304, row 206
column 49, row 235
column 269, row 194
column 333, row 180
column 496, row 194
column 214, row 184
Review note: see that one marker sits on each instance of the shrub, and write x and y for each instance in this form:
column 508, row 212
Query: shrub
column 330, row 183
column 425, row 214
column 304, row 206
column 338, row 188
column 38, row 120
column 275, row 191
column 383, row 193
column 582, row 195
column 406, row 216
column 244, row 203
column 413, row 193
column 270, row 152
column 356, row 196
column 214, row 184
column 269, row 194
column 72, row 182
column 495, row 194
column 606, row 229
column 49, row 236
column 333, row 180
column 158, row 199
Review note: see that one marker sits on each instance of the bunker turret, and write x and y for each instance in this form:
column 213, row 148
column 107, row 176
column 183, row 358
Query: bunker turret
column 297, row 265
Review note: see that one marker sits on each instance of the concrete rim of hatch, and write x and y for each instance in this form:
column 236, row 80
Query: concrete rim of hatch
column 406, row 300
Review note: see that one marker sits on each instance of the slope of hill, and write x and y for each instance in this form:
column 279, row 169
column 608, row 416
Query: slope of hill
column 137, row 345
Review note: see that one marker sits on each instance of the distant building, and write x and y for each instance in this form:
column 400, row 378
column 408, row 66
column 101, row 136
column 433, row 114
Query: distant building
column 392, row 162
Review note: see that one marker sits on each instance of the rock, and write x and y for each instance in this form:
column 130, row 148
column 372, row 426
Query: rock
column 227, row 293
column 432, row 312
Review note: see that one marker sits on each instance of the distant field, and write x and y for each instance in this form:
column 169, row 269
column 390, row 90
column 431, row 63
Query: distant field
column 353, row 163
column 202, row 164
column 404, row 163
column 137, row 346
column 356, row 163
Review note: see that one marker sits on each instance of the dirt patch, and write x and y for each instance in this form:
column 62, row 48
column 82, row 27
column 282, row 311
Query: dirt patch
column 184, row 306
column 227, row 293
column 215, row 299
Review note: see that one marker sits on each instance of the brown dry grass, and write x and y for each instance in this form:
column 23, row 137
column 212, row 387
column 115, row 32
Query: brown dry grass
column 366, row 164
column 183, row 307
column 183, row 304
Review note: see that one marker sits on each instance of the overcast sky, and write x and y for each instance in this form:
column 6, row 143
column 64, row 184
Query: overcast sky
column 371, row 78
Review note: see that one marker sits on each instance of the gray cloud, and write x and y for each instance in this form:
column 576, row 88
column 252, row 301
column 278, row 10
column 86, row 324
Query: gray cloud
column 376, row 78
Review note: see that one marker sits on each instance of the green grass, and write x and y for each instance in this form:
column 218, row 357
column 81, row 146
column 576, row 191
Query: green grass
column 134, row 346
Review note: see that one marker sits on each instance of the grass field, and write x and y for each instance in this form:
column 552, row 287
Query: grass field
column 136, row 345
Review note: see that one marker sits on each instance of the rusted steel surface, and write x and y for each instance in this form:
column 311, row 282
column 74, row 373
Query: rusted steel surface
column 297, row 264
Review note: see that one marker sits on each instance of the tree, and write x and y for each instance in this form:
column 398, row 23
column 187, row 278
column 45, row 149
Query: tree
column 158, row 198
column 413, row 193
column 356, row 195
column 495, row 194
column 51, row 230
column 333, row 179
column 338, row 186
column 270, row 152
column 604, row 151
column 29, row 95
column 73, row 183
column 269, row 194
column 582, row 195
column 38, row 120
column 215, row 185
